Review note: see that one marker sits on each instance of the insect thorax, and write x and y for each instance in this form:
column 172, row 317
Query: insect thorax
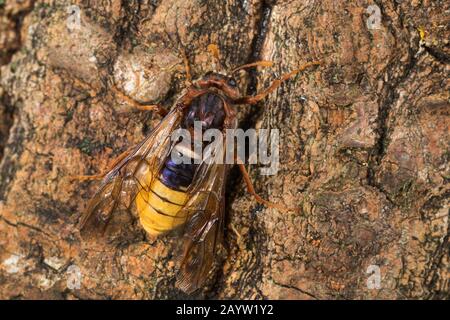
column 208, row 109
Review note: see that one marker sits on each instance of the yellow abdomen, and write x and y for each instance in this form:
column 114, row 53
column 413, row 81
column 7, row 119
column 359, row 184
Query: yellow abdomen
column 159, row 208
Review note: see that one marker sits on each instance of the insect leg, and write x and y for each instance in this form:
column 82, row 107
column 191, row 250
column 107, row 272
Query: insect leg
column 275, row 84
column 139, row 106
column 187, row 69
column 258, row 198
column 261, row 63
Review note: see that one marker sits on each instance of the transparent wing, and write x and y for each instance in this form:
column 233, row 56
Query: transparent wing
column 204, row 226
column 121, row 185
column 203, row 211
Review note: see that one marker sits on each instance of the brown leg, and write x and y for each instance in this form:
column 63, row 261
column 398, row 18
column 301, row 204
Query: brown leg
column 139, row 106
column 261, row 63
column 275, row 84
column 187, row 69
column 99, row 176
column 252, row 191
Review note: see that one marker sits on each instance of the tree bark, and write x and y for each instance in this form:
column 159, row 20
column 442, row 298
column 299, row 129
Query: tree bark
column 364, row 145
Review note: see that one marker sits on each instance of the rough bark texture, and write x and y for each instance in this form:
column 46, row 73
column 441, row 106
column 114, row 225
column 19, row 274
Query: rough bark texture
column 364, row 144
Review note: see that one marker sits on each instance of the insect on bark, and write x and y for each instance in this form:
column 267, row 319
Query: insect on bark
column 186, row 197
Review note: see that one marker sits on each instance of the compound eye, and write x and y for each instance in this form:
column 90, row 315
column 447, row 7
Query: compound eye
column 232, row 82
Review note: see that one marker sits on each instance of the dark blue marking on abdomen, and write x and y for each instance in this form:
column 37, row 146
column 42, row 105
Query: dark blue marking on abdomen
column 177, row 176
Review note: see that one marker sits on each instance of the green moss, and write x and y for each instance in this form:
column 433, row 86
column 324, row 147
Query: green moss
column 13, row 66
column 69, row 115
column 85, row 146
column 89, row 146
column 42, row 5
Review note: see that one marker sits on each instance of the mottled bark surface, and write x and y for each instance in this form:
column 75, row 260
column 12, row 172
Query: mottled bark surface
column 364, row 145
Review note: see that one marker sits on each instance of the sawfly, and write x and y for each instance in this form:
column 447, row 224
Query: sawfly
column 185, row 197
